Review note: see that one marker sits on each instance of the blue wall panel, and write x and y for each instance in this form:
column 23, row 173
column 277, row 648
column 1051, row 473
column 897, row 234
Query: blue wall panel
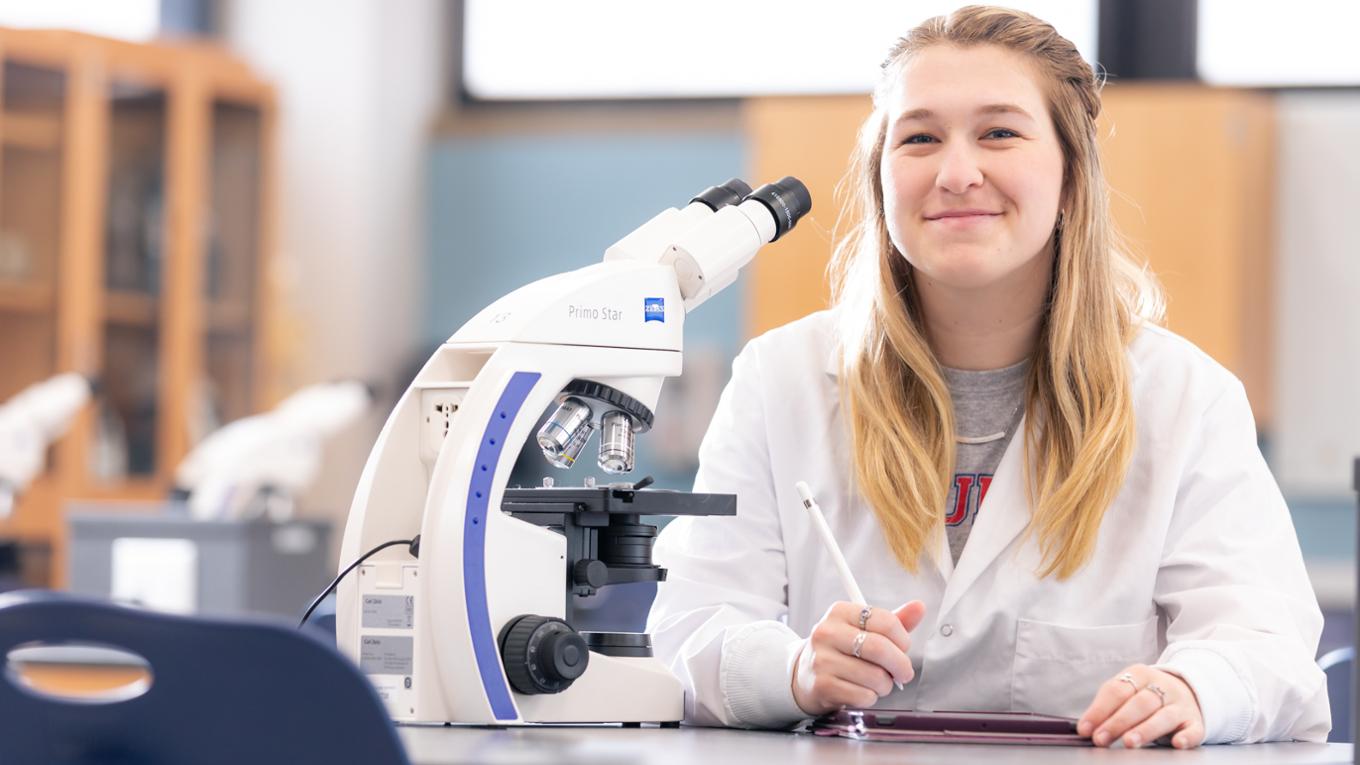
column 505, row 211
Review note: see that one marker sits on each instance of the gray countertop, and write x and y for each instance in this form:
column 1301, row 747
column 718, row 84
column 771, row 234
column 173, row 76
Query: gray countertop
column 436, row 745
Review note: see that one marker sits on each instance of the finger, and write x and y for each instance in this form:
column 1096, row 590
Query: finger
column 864, row 674
column 887, row 624
column 835, row 631
column 883, row 653
column 1190, row 736
column 910, row 614
column 1168, row 719
column 843, row 611
column 1134, row 711
column 837, row 692
column 1111, row 695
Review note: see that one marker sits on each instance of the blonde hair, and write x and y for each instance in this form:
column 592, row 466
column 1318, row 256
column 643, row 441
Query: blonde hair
column 1079, row 437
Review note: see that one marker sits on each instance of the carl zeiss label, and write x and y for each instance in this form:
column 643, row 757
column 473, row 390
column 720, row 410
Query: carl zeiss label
column 654, row 309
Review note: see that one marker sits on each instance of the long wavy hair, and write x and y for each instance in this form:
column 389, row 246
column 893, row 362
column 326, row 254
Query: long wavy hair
column 1079, row 434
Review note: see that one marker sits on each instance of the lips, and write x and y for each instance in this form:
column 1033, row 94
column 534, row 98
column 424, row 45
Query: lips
column 967, row 213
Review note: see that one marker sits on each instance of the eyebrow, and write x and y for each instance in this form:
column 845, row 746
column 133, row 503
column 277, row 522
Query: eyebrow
column 925, row 114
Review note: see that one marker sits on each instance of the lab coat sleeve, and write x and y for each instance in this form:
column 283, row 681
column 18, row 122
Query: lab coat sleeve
column 1242, row 620
column 719, row 619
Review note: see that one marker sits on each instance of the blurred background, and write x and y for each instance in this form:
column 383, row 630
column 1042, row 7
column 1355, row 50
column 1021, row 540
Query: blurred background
column 207, row 205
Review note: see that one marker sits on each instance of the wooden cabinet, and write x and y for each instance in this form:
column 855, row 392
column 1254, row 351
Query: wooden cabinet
column 134, row 233
column 1192, row 169
column 1193, row 173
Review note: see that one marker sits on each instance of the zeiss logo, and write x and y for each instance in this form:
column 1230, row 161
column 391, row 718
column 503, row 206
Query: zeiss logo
column 653, row 309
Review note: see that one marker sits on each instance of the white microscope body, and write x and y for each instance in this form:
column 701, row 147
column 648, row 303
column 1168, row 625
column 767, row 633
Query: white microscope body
column 430, row 632
column 265, row 461
column 29, row 422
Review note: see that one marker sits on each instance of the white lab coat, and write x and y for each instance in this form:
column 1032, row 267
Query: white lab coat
column 1197, row 568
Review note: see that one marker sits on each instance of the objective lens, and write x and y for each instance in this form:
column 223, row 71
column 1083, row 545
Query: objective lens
column 730, row 193
column 616, row 442
column 787, row 199
column 566, row 430
column 567, row 457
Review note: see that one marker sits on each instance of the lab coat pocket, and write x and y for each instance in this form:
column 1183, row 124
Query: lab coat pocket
column 1059, row 667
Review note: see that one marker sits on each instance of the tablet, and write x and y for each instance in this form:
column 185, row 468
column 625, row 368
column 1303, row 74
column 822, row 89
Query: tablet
column 953, row 727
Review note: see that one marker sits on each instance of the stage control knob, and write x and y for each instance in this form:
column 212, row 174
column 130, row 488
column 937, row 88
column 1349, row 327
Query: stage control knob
column 542, row 654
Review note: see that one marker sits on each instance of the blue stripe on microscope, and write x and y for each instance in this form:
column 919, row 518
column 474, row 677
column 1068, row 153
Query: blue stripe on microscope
column 474, row 542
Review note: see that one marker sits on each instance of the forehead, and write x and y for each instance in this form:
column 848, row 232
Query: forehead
column 950, row 80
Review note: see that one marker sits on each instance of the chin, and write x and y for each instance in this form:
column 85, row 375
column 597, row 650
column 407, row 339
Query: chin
column 965, row 273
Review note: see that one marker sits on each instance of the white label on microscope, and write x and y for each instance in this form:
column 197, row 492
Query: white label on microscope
column 397, row 694
column 393, row 612
column 386, row 654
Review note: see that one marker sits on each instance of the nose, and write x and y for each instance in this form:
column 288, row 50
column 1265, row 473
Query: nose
column 959, row 168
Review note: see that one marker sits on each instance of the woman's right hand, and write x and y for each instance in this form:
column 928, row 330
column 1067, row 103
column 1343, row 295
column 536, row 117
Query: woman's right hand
column 827, row 674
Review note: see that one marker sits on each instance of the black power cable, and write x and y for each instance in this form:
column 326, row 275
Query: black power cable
column 413, row 544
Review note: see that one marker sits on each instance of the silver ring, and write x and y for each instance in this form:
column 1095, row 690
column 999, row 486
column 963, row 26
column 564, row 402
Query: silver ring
column 1127, row 677
column 1161, row 694
column 859, row 643
column 864, row 617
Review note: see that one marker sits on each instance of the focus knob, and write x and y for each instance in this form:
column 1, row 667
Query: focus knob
column 590, row 573
column 542, row 654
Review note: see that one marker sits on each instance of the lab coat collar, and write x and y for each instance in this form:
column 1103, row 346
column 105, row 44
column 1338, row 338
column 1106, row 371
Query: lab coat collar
column 1000, row 518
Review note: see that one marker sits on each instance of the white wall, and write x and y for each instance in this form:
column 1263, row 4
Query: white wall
column 1317, row 421
column 359, row 84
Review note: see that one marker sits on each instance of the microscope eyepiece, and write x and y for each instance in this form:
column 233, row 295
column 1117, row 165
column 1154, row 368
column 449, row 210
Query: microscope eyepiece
column 787, row 199
column 722, row 195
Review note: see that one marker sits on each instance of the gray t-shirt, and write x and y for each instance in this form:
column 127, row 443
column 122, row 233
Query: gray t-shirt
column 985, row 404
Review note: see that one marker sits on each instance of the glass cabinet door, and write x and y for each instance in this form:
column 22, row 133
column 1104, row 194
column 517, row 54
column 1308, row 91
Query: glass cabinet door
column 232, row 263
column 134, row 256
column 31, row 104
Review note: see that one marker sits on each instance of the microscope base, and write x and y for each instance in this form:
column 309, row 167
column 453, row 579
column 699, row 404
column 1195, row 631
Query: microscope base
column 612, row 690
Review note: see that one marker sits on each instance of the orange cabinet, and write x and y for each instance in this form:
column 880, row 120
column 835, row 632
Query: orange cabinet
column 134, row 212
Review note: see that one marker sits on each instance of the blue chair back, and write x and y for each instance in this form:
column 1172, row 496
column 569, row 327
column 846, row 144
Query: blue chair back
column 221, row 692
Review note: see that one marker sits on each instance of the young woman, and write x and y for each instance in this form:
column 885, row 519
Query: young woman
column 1064, row 502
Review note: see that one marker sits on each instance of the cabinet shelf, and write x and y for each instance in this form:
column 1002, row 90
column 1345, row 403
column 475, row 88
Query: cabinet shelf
column 129, row 309
column 228, row 317
column 18, row 297
column 40, row 132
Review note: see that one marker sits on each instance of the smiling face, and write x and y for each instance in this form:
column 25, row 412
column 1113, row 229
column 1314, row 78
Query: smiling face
column 971, row 167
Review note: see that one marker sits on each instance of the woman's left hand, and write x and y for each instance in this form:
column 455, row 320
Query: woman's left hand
column 1129, row 706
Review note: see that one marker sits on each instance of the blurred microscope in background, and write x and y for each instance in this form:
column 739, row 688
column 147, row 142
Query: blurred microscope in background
column 30, row 422
column 259, row 465
column 228, row 540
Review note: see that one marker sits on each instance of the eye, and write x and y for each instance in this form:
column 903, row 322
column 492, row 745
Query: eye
column 919, row 138
column 1000, row 133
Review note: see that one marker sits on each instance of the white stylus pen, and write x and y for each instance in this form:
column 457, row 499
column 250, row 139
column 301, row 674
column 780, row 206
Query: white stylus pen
column 824, row 531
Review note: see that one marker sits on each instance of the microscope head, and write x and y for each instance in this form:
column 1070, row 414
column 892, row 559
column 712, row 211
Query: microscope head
column 707, row 243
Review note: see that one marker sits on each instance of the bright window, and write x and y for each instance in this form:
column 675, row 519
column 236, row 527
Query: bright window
column 1265, row 42
column 607, row 49
column 136, row 20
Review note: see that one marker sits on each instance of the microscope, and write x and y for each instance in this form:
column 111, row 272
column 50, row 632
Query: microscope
column 260, row 464
column 477, row 628
column 29, row 423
